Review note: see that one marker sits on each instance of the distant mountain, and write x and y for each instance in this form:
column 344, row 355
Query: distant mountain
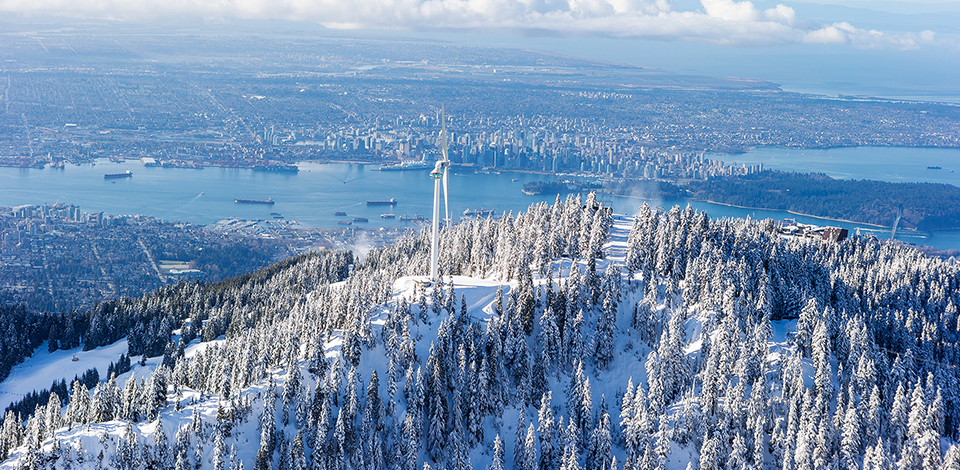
column 562, row 338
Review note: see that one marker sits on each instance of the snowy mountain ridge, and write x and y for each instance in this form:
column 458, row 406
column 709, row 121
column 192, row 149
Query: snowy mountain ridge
column 524, row 358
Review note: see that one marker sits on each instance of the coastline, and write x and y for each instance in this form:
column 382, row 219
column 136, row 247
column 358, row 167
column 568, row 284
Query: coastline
column 772, row 209
column 805, row 215
column 654, row 199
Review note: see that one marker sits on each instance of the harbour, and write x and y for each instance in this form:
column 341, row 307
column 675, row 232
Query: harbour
column 313, row 198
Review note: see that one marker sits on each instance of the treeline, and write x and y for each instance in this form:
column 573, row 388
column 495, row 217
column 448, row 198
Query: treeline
column 923, row 206
column 219, row 262
column 29, row 402
column 149, row 321
column 23, row 332
column 535, row 188
column 862, row 372
column 644, row 189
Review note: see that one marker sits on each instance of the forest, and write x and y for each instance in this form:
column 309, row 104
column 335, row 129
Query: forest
column 562, row 338
column 923, row 206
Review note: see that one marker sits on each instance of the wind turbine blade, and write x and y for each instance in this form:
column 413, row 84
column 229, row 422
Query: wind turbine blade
column 443, row 136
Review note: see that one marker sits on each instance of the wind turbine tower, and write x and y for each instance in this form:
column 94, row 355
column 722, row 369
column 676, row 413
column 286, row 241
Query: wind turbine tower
column 439, row 175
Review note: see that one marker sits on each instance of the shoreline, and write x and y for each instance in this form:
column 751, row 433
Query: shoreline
column 648, row 199
column 781, row 210
column 837, row 147
column 802, row 214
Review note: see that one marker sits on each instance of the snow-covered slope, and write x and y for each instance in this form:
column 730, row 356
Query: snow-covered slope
column 43, row 368
column 668, row 341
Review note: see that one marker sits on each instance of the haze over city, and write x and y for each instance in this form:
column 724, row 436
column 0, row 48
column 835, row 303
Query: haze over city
column 896, row 49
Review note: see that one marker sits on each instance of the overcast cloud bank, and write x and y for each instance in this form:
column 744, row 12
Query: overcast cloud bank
column 726, row 22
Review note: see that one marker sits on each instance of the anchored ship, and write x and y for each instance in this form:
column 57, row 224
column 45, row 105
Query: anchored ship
column 478, row 212
column 391, row 202
column 254, row 201
column 125, row 174
column 407, row 166
column 288, row 168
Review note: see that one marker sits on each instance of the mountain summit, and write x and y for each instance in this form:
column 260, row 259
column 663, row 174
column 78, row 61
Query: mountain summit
column 563, row 338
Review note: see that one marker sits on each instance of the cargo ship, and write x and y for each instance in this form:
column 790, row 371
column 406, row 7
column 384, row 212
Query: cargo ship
column 254, row 201
column 478, row 212
column 125, row 174
column 391, row 202
column 340, row 214
column 388, row 216
column 407, row 166
column 415, row 218
column 360, row 219
column 277, row 168
column 344, row 222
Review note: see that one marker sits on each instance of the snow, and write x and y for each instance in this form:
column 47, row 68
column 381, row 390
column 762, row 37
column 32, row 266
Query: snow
column 479, row 293
column 779, row 344
column 37, row 372
column 629, row 357
column 196, row 347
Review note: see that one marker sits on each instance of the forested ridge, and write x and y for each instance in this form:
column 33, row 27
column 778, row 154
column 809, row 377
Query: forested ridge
column 924, row 206
column 667, row 341
column 148, row 321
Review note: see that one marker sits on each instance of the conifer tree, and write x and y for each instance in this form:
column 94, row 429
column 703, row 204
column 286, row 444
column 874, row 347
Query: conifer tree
column 162, row 457
column 899, row 418
column 219, row 452
column 606, row 328
column 267, row 436
column 437, row 432
column 952, row 460
column 709, row 454
column 550, row 445
column 850, row 444
column 529, row 461
column 298, row 458
column 600, row 448
column 497, row 459
column 520, row 440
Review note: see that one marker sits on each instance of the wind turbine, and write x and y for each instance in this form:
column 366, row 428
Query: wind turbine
column 439, row 174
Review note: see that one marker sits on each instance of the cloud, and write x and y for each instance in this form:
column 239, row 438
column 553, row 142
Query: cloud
column 729, row 22
column 845, row 33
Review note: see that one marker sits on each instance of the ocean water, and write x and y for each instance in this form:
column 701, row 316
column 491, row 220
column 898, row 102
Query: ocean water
column 312, row 195
column 894, row 164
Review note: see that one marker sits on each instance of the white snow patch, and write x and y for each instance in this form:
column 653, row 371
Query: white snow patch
column 43, row 368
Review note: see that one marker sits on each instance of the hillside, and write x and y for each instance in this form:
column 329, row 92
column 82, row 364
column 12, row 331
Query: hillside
column 923, row 206
column 561, row 338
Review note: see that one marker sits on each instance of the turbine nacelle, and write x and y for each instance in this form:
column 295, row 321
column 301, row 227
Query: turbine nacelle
column 438, row 168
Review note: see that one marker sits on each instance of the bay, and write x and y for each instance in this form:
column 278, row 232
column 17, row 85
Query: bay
column 312, row 195
column 893, row 164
